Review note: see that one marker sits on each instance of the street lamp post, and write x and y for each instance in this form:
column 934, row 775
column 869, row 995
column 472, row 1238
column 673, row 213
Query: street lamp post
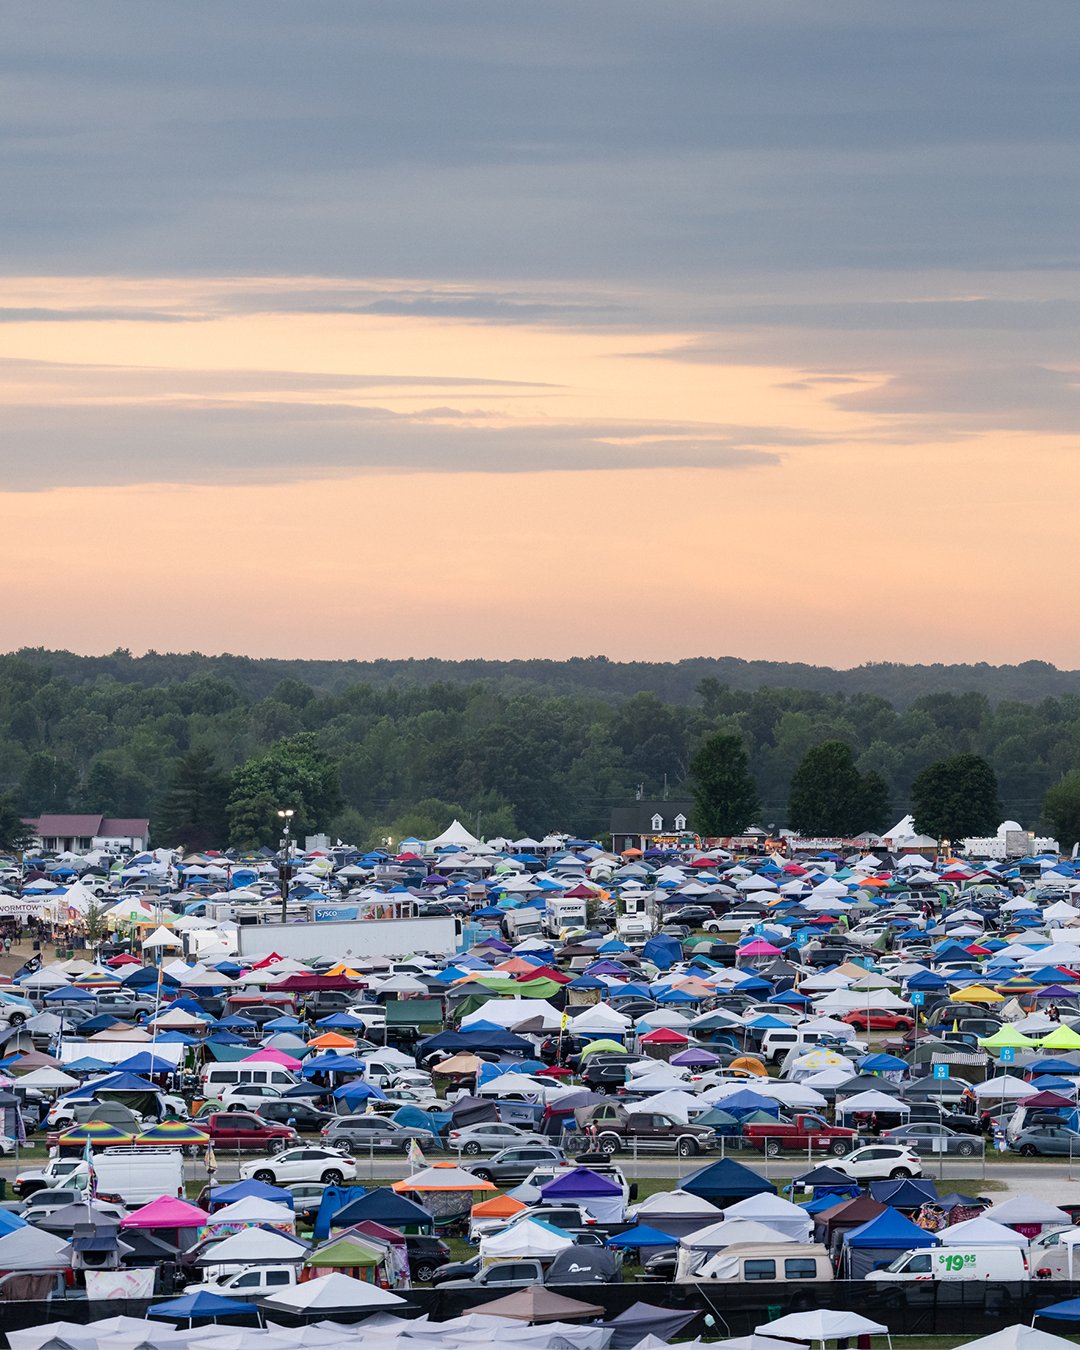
column 286, row 844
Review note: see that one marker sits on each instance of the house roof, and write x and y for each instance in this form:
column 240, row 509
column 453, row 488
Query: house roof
column 636, row 817
column 86, row 827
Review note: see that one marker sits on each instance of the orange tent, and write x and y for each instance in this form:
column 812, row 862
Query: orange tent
column 498, row 1207
column 331, row 1040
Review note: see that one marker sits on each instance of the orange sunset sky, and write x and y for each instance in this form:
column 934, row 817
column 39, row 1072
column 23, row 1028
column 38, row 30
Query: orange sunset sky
column 504, row 331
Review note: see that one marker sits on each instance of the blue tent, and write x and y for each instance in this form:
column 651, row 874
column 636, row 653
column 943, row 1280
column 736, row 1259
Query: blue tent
column 746, row 1102
column 904, row 1193
column 384, row 1206
column 359, row 1091
column 881, row 1063
column 1069, row 1311
column 663, row 952
column 725, row 1179
column 242, row 1190
column 878, row 1242
column 145, row 1062
column 642, row 1236
column 202, row 1304
column 331, row 1063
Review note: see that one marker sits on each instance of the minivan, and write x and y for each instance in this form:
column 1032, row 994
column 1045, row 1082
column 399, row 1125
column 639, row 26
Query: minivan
column 217, row 1077
column 774, row 1262
column 956, row 1263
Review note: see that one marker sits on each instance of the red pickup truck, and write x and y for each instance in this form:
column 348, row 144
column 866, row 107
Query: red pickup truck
column 802, row 1133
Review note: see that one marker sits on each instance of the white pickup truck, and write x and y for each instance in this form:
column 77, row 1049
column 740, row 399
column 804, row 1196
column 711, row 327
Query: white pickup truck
column 250, row 1283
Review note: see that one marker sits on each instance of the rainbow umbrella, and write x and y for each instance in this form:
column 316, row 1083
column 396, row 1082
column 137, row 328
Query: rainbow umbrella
column 173, row 1132
column 95, row 1132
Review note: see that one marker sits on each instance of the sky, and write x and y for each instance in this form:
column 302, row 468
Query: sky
column 713, row 327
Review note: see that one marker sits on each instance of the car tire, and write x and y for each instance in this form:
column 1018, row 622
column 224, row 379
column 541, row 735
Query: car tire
column 17, row 1019
column 686, row 1148
column 423, row 1273
column 901, row 1174
column 482, row 1173
column 471, row 1149
column 608, row 1143
column 772, row 1148
column 265, row 1176
column 332, row 1177
column 839, row 1148
column 965, row 1150
column 1029, row 1151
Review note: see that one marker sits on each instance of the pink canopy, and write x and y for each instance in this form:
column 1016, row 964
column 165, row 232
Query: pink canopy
column 166, row 1212
column 272, row 1056
column 759, row 947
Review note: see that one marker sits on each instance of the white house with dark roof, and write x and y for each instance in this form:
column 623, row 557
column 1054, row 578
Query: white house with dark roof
column 88, row 833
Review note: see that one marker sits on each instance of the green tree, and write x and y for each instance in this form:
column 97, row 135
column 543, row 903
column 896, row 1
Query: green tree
column 296, row 774
column 47, row 783
column 826, row 792
column 725, row 797
column 956, row 797
column 873, row 803
column 193, row 811
column 15, row 837
column 1061, row 809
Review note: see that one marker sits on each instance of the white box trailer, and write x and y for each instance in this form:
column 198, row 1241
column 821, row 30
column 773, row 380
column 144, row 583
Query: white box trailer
column 351, row 939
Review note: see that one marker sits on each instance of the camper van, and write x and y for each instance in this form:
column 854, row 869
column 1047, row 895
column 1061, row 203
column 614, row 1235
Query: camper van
column 776, row 1262
column 956, row 1263
column 217, row 1077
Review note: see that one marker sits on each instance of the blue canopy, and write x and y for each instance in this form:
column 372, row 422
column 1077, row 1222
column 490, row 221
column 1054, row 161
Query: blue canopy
column 384, row 1206
column 243, row 1190
column 202, row 1304
column 359, row 1091
column 747, row 1101
column 904, row 1193
column 1069, row 1311
column 892, row 1230
column 725, row 1178
column 643, row 1236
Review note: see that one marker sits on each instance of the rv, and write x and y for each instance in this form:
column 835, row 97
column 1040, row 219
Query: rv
column 562, row 912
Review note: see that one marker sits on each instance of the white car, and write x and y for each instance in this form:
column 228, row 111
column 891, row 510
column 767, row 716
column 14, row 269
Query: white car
column 879, row 1162
column 249, row 1096
column 312, row 1162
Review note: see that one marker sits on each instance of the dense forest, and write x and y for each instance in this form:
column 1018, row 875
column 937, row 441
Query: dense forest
column 511, row 746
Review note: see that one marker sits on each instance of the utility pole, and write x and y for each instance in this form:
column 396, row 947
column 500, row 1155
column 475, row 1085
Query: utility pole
column 283, row 871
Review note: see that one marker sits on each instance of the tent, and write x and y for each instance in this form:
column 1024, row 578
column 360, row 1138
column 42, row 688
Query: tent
column 596, row 1193
column 981, row 1232
column 382, row 1206
column 1019, row 1337
column 822, row 1324
column 725, row 1182
column 537, row 1304
column 633, row 1324
column 880, row 1240
column 774, row 1212
column 641, row 1237
column 200, row 1304
column 31, row 1249
column 524, row 1240
column 331, row 1293
column 1027, row 1215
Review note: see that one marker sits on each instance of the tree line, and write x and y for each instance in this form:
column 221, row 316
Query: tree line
column 208, row 757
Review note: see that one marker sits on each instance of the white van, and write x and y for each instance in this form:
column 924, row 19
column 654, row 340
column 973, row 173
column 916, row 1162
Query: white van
column 957, row 1263
column 217, row 1077
column 778, row 1042
column 775, row 1262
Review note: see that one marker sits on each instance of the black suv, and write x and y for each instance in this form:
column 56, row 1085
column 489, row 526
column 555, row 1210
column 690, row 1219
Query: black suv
column 426, row 1255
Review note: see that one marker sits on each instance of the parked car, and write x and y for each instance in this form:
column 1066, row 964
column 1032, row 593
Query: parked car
column 491, row 1136
column 512, row 1165
column 880, row 1162
column 291, row 1110
column 330, row 1166
column 878, row 1019
column 1044, row 1141
column 426, row 1255
column 241, row 1131
column 249, row 1096
column 502, row 1275
column 925, row 1137
column 456, row 1271
column 253, row 1282
column 360, row 1134
column 934, row 1113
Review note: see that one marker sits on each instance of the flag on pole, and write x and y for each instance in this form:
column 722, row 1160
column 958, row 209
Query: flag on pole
column 564, row 1021
column 91, row 1178
column 416, row 1154
column 211, row 1160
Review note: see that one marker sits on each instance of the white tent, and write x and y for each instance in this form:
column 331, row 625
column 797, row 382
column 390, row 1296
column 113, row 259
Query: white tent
column 821, row 1324
column 871, row 1101
column 253, row 1209
column 330, row 1293
column 600, row 1017
column 1019, row 1338
column 982, row 1232
column 454, row 836
column 527, row 1239
column 161, row 937
column 254, row 1246
column 1026, row 1209
column 774, row 1211
column 1005, row 1088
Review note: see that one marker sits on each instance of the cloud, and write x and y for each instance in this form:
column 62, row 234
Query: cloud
column 45, row 314
column 1015, row 397
column 229, row 443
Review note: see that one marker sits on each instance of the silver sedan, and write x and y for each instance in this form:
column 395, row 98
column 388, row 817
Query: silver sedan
column 488, row 1137
column 930, row 1140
